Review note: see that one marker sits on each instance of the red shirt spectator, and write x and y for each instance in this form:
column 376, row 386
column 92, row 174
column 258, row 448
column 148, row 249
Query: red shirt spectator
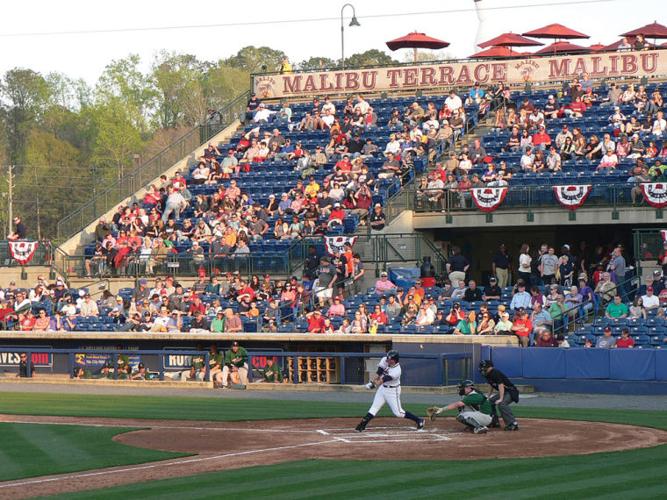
column 197, row 306
column 522, row 326
column 27, row 322
column 625, row 341
column 541, row 137
column 315, row 322
column 380, row 317
column 344, row 164
column 337, row 213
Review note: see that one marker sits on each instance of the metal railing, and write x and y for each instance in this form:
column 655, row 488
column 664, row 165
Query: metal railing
column 518, row 197
column 43, row 255
column 648, row 243
column 115, row 192
column 374, row 249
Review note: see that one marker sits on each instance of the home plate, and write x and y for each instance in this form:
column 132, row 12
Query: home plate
column 385, row 435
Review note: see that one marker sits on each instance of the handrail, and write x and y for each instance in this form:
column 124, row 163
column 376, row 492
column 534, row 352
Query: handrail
column 575, row 309
column 521, row 197
column 114, row 192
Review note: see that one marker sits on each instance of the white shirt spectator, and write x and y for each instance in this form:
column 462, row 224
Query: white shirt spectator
column 328, row 119
column 609, row 161
column 262, row 115
column 659, row 126
column 527, row 161
column 650, row 301
column 425, row 317
column 89, row 308
column 362, row 106
column 393, row 147
column 330, row 106
column 453, row 102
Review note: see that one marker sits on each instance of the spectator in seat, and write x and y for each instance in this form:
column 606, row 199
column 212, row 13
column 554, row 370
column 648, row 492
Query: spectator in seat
column 541, row 320
column 233, row 323
column 541, row 139
column 88, row 307
column 426, row 315
column 486, row 323
column 608, row 161
column 637, row 309
column 459, row 292
column 467, row 325
column 379, row 316
column 522, row 327
column 617, row 309
column 606, row 341
column 492, row 292
column 472, row 293
column 384, row 284
column 546, row 339
column 337, row 308
column 650, row 300
column 605, row 289
column 625, row 341
column 521, row 298
column 504, row 326
column 393, row 308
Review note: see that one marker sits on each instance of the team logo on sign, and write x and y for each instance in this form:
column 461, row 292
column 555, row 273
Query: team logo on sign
column 655, row 194
column 22, row 251
column 335, row 244
column 488, row 199
column 573, row 195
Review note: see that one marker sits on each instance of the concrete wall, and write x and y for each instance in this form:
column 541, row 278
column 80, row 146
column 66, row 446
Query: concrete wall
column 542, row 217
column 75, row 244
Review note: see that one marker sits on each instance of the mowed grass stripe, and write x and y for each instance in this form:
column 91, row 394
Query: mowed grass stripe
column 30, row 450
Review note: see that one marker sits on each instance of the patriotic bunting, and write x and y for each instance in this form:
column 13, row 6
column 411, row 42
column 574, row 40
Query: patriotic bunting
column 572, row 196
column 488, row 199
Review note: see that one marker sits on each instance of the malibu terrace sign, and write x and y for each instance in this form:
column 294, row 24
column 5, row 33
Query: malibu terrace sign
column 464, row 73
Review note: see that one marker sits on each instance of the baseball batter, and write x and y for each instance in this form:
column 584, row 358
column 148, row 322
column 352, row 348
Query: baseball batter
column 388, row 383
column 474, row 409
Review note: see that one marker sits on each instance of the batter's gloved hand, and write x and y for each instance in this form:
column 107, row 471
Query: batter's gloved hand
column 370, row 385
column 432, row 411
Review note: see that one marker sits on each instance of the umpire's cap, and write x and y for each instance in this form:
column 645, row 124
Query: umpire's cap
column 393, row 355
column 464, row 384
column 484, row 365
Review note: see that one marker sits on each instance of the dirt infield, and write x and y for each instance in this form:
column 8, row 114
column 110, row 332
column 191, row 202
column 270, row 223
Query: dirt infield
column 228, row 445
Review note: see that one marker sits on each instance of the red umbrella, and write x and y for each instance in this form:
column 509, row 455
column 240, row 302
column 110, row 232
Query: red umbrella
column 416, row 41
column 597, row 47
column 557, row 31
column 653, row 30
column 562, row 48
column 496, row 53
column 617, row 44
column 510, row 40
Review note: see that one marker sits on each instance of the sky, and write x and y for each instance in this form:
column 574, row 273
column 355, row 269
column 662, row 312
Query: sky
column 86, row 55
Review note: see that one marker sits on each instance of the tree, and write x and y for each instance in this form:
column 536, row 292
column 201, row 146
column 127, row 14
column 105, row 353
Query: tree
column 27, row 96
column 318, row 63
column 371, row 57
column 123, row 80
column 116, row 138
column 256, row 59
column 222, row 83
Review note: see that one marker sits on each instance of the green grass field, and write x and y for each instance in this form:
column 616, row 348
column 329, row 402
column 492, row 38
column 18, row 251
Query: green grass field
column 34, row 450
column 631, row 474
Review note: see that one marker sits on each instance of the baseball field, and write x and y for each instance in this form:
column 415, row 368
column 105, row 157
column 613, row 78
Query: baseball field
column 212, row 445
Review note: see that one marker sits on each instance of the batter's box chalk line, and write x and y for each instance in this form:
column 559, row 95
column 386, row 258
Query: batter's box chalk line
column 384, row 435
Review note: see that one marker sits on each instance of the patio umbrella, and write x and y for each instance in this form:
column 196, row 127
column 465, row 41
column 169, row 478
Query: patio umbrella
column 556, row 31
column 617, row 43
column 597, row 47
column 510, row 40
column 654, row 30
column 562, row 47
column 416, row 41
column 496, row 53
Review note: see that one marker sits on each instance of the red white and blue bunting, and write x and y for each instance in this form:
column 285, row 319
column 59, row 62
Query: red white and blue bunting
column 572, row 196
column 22, row 251
column 655, row 193
column 335, row 244
column 487, row 199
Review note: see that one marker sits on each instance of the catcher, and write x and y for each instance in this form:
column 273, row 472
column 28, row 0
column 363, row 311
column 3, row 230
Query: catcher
column 474, row 409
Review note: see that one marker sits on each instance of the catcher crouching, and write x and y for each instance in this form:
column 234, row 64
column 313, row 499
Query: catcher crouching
column 474, row 408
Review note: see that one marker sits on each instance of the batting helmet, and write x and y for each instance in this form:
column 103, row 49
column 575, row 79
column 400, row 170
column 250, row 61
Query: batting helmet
column 484, row 364
column 393, row 355
column 463, row 385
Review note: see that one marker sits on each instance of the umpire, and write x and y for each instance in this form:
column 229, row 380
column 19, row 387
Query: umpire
column 502, row 394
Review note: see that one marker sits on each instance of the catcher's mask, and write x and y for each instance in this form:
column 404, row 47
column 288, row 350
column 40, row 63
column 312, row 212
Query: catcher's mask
column 484, row 364
column 463, row 385
column 393, row 355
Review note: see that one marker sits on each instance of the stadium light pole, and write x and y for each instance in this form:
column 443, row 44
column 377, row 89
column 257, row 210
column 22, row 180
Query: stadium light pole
column 353, row 22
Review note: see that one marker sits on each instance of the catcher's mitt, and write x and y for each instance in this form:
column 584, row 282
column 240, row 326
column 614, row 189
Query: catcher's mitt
column 432, row 411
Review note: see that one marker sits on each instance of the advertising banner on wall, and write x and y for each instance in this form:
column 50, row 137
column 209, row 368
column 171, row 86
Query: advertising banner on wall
column 462, row 73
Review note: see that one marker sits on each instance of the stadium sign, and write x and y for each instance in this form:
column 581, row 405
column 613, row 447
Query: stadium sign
column 38, row 359
column 463, row 73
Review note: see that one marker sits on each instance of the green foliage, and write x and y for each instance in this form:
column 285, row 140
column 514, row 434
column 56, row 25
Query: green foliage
column 256, row 59
column 318, row 63
column 371, row 57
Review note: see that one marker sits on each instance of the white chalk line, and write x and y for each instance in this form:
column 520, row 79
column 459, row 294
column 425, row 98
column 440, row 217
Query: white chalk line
column 324, row 433
column 159, row 464
column 149, row 425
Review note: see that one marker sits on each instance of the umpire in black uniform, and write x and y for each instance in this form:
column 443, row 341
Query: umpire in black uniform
column 502, row 394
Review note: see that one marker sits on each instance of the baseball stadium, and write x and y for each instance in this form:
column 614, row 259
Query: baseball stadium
column 344, row 251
